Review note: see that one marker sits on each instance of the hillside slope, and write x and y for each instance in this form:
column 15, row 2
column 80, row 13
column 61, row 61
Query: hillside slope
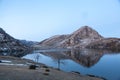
column 8, row 43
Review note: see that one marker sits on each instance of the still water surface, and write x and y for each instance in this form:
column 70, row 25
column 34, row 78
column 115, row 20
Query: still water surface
column 100, row 63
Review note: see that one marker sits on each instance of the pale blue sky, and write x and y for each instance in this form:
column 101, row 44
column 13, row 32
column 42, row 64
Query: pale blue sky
column 39, row 19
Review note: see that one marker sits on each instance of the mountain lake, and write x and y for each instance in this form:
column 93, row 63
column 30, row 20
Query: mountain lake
column 101, row 63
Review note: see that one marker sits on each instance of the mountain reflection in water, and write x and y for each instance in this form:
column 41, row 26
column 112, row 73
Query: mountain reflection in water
column 86, row 57
column 97, row 62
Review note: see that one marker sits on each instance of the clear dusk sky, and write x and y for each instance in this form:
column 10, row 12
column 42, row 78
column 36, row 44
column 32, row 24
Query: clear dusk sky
column 40, row 19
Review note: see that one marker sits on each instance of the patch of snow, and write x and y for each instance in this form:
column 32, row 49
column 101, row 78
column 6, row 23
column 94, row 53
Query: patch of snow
column 5, row 53
column 20, row 64
column 13, row 64
column 5, row 61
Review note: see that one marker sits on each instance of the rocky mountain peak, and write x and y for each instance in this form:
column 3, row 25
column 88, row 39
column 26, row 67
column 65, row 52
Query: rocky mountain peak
column 81, row 37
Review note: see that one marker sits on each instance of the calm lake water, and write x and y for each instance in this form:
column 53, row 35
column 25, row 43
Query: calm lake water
column 100, row 63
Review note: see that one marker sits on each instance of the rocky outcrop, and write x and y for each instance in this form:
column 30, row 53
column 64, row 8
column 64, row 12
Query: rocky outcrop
column 8, row 43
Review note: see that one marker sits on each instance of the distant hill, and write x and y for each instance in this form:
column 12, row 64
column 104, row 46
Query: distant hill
column 28, row 43
column 85, row 37
column 8, row 43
